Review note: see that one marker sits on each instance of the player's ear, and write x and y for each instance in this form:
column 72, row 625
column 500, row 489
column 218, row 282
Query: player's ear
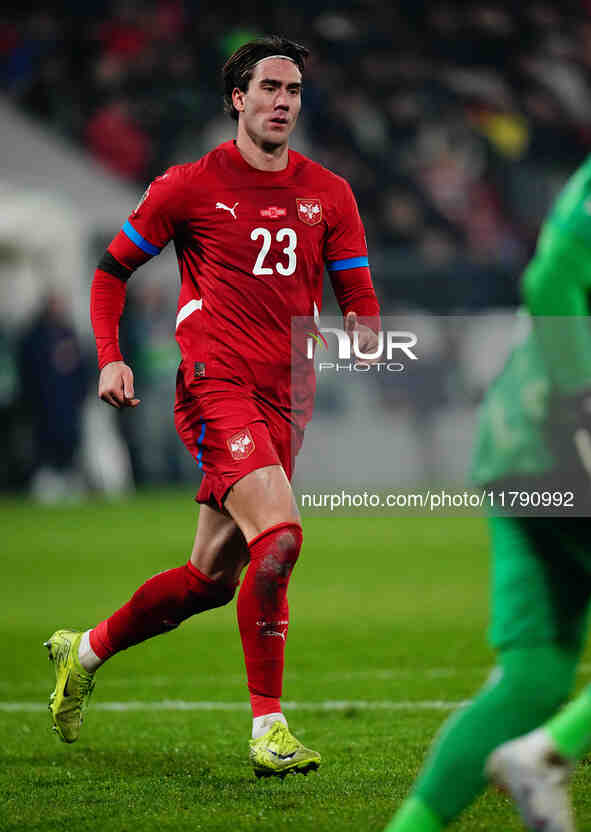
column 238, row 99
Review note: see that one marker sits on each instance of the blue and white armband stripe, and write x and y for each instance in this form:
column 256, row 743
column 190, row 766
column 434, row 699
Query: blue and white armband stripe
column 349, row 263
column 137, row 238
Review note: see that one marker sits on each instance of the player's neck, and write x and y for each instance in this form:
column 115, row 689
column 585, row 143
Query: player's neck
column 261, row 157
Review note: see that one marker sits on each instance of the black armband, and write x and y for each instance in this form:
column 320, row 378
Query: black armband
column 109, row 264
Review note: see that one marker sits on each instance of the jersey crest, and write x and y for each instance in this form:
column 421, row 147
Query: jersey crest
column 241, row 445
column 309, row 211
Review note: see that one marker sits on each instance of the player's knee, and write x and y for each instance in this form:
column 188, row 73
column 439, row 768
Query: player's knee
column 221, row 595
column 274, row 555
column 170, row 597
column 540, row 696
column 204, row 594
column 541, row 677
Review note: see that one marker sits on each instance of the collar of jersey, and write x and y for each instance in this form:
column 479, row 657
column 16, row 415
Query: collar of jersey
column 268, row 175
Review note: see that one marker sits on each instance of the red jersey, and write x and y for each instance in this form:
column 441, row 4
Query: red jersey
column 252, row 247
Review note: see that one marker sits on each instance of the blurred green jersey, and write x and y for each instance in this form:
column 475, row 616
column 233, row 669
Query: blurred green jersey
column 554, row 357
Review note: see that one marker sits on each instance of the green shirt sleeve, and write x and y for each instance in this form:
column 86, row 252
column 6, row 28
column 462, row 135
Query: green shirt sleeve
column 555, row 358
column 555, row 289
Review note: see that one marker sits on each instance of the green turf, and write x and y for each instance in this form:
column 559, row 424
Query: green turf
column 382, row 610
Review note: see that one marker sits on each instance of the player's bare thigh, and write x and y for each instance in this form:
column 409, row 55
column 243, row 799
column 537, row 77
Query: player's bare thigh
column 220, row 550
column 261, row 499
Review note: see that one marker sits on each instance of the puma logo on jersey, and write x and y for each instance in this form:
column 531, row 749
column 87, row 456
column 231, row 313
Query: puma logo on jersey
column 232, row 210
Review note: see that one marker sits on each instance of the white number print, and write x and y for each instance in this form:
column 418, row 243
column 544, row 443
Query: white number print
column 266, row 235
column 290, row 250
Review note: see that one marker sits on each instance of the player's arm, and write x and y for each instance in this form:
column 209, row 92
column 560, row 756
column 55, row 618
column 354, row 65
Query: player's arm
column 355, row 294
column 107, row 301
column 555, row 288
column 348, row 267
column 146, row 232
column 556, row 285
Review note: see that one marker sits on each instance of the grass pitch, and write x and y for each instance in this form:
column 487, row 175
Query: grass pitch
column 388, row 624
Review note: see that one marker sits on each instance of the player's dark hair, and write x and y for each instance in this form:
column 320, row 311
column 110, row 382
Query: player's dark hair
column 238, row 69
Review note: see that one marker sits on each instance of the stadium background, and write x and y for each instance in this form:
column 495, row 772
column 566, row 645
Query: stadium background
column 455, row 123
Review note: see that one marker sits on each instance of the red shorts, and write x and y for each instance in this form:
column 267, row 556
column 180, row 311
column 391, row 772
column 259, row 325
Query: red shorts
column 230, row 431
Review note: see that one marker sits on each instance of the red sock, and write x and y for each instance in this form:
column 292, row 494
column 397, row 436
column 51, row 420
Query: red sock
column 263, row 613
column 262, row 705
column 158, row 606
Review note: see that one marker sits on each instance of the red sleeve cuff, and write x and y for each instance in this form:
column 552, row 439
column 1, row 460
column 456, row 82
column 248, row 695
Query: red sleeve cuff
column 107, row 299
column 354, row 292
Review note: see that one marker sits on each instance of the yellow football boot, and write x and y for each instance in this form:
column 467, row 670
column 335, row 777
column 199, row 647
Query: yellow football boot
column 278, row 753
column 73, row 685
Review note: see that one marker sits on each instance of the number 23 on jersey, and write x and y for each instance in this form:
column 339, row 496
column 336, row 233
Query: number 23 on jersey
column 283, row 234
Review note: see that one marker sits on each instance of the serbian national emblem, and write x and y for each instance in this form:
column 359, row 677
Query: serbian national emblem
column 309, row 211
column 241, row 444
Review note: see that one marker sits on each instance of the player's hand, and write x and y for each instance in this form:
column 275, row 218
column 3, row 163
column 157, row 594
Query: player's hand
column 367, row 339
column 116, row 385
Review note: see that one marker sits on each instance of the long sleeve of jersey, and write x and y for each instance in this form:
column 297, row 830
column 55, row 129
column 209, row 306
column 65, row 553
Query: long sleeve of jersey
column 107, row 300
column 107, row 295
column 555, row 288
column 129, row 250
column 354, row 292
column 348, row 264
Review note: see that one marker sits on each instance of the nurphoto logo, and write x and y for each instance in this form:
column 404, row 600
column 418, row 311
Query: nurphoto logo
column 351, row 358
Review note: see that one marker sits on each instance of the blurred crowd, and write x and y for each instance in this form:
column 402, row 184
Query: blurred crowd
column 454, row 122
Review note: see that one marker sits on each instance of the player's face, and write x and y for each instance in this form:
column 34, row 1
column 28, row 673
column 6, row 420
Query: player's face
column 270, row 106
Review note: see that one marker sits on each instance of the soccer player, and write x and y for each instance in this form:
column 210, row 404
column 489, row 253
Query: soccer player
column 534, row 435
column 535, row 769
column 254, row 225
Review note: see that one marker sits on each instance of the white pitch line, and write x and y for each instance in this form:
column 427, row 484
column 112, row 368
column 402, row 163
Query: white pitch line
column 385, row 675
column 182, row 705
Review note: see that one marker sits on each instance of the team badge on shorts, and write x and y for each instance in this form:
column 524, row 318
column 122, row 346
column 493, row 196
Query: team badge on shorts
column 309, row 211
column 241, row 445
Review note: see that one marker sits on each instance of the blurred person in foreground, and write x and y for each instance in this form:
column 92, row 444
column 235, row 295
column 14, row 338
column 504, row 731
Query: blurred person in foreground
column 254, row 225
column 533, row 438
